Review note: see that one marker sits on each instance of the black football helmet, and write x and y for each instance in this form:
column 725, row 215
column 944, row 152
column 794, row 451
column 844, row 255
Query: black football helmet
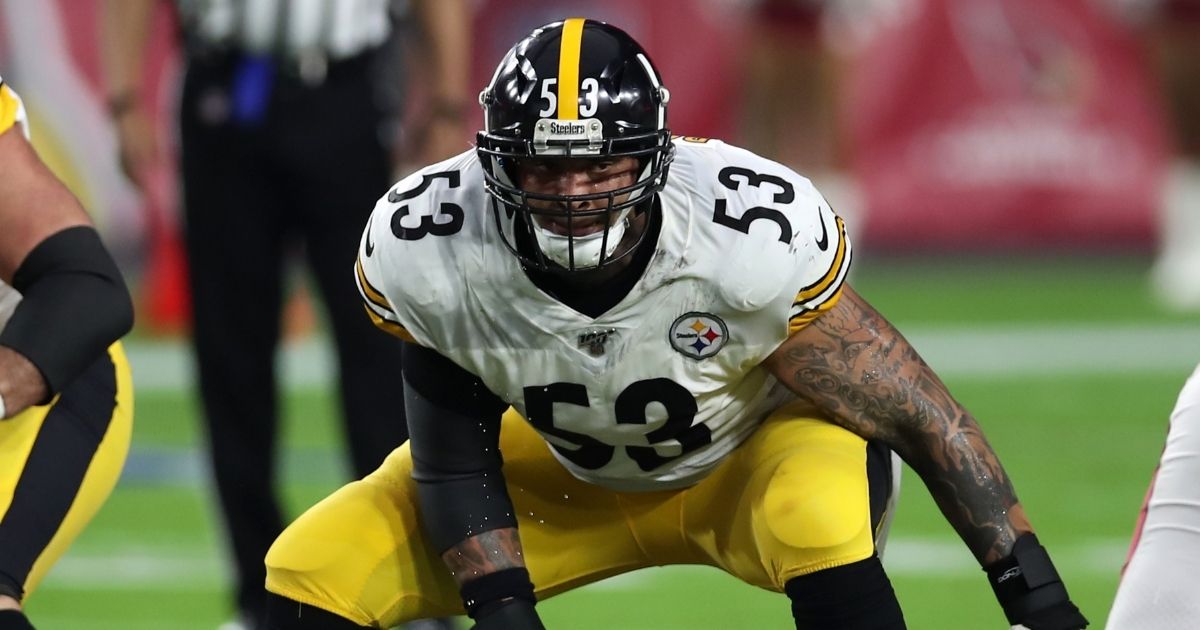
column 576, row 88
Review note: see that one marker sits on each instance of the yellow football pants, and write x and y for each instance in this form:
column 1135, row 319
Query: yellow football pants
column 58, row 464
column 792, row 500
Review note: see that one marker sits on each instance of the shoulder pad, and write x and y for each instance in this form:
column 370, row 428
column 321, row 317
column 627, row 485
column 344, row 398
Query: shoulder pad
column 789, row 235
column 421, row 224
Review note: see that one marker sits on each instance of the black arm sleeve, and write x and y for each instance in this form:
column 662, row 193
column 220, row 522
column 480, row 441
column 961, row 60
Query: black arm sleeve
column 454, row 435
column 74, row 305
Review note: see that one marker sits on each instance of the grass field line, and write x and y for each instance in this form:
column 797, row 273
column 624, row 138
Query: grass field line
column 178, row 567
column 952, row 350
column 187, row 467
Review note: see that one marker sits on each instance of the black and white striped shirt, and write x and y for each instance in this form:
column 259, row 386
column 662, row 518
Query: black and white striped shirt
column 333, row 29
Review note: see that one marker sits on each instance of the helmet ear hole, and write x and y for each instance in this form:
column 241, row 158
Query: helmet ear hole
column 613, row 107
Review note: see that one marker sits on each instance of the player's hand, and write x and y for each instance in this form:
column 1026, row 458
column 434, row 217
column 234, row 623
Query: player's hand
column 137, row 143
column 21, row 384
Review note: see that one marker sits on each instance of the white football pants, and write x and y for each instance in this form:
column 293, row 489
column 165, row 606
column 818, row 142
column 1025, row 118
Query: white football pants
column 1160, row 589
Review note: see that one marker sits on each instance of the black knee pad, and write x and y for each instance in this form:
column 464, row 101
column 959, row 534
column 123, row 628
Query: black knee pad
column 856, row 596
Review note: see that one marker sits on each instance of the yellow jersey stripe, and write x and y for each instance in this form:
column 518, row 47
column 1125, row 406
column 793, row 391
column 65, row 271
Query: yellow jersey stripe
column 839, row 259
column 389, row 326
column 568, row 69
column 9, row 107
column 804, row 318
column 369, row 292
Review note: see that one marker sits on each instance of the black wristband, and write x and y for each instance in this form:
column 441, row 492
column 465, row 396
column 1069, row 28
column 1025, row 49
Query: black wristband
column 74, row 305
column 1025, row 581
column 511, row 614
column 494, row 587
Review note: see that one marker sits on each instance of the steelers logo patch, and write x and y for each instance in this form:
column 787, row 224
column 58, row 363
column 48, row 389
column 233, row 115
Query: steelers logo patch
column 698, row 335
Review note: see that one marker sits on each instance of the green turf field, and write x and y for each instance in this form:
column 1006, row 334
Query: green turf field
column 1066, row 362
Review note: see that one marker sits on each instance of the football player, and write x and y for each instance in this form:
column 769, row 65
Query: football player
column 1159, row 589
column 66, row 401
column 688, row 379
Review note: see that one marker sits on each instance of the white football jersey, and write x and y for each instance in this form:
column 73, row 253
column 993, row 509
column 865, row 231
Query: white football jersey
column 12, row 114
column 654, row 392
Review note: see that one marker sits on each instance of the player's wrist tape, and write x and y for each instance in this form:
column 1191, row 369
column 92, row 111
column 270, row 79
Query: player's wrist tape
column 480, row 594
column 74, row 305
column 1026, row 582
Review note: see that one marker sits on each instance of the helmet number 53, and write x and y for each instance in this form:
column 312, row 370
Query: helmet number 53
column 590, row 90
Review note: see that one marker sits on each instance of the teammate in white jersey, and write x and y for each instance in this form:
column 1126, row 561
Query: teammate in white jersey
column 66, row 401
column 688, row 379
column 1159, row 589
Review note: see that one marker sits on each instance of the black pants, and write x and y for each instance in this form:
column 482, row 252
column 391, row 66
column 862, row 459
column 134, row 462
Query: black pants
column 309, row 171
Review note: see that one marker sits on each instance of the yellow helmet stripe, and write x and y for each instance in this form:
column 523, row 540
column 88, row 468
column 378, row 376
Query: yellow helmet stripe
column 568, row 69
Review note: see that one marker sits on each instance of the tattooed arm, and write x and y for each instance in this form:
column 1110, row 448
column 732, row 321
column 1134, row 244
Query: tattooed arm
column 857, row 367
column 484, row 553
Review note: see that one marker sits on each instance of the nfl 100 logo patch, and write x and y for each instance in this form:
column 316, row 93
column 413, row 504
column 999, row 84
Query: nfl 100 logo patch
column 596, row 341
column 698, row 335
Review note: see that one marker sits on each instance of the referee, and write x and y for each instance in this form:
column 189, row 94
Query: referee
column 284, row 142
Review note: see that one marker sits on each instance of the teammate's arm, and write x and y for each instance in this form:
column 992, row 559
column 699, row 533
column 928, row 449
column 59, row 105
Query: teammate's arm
column 855, row 365
column 74, row 301
column 468, row 517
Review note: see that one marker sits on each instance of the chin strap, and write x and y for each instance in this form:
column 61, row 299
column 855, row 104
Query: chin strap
column 558, row 248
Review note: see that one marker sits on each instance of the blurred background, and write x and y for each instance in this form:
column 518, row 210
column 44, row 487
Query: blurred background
column 1021, row 179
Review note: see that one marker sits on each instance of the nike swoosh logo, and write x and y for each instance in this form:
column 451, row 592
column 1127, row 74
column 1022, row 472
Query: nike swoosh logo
column 370, row 245
column 822, row 242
